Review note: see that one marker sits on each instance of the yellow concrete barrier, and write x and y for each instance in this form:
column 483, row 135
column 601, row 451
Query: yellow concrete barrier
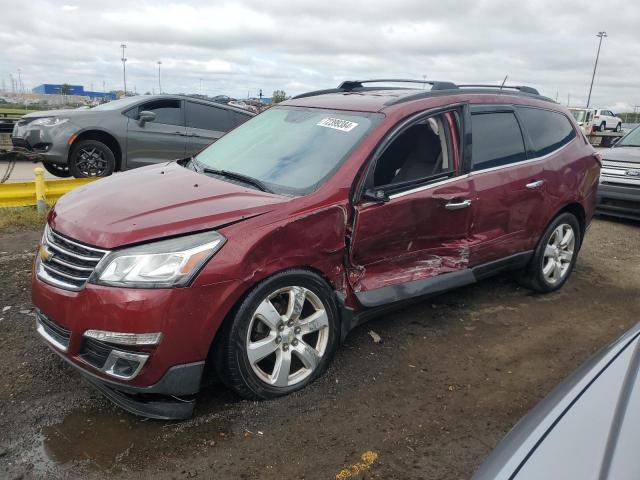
column 39, row 192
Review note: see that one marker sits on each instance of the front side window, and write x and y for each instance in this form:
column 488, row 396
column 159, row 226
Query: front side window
column 207, row 117
column 547, row 130
column 167, row 111
column 421, row 152
column 496, row 140
column 291, row 150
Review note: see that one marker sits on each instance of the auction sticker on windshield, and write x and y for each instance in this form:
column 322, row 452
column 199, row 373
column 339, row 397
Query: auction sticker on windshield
column 337, row 124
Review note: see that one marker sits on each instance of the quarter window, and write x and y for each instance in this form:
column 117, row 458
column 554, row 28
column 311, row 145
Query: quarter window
column 167, row 111
column 496, row 140
column 547, row 130
column 208, row 118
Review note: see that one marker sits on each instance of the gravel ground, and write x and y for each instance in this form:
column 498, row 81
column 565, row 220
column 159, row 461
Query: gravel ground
column 450, row 377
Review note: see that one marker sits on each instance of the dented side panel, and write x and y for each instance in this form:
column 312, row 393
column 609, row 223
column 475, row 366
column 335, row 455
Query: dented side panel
column 411, row 237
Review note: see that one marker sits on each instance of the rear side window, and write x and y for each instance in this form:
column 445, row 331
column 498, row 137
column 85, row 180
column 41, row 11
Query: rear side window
column 496, row 140
column 547, row 130
column 207, row 117
column 167, row 111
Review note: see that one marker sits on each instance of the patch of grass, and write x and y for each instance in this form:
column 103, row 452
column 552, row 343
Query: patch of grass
column 14, row 111
column 22, row 217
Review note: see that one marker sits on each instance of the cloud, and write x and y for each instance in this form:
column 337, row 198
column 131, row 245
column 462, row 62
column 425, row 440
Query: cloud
column 242, row 46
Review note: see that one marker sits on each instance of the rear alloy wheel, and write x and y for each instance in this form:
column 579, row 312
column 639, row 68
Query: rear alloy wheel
column 58, row 169
column 283, row 336
column 555, row 255
column 603, row 126
column 90, row 158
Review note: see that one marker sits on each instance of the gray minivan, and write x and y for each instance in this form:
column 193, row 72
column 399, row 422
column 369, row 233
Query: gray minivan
column 124, row 134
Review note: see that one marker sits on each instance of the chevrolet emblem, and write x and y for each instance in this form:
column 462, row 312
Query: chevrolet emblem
column 45, row 254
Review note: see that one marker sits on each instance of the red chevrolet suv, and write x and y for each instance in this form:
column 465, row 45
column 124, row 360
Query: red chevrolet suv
column 253, row 259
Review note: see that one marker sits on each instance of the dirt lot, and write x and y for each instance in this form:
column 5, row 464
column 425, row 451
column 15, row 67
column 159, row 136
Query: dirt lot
column 450, row 378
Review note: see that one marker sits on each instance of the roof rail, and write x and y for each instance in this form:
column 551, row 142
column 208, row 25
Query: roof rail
column 435, row 84
column 520, row 88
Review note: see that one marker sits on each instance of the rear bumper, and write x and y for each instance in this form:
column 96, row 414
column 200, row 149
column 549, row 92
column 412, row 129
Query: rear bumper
column 619, row 200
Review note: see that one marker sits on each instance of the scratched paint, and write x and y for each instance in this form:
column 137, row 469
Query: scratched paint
column 368, row 459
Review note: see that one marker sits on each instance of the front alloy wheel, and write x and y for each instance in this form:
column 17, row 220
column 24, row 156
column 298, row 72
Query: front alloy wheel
column 281, row 337
column 288, row 336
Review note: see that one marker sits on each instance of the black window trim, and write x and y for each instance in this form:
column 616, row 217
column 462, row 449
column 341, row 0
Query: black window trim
column 404, row 188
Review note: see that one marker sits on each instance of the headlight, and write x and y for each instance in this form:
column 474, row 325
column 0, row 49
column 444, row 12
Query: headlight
column 49, row 121
column 163, row 264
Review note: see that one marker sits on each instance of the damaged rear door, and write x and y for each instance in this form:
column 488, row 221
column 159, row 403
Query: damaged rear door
column 414, row 214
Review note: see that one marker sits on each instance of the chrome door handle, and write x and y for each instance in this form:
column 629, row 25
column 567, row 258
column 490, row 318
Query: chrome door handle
column 536, row 184
column 457, row 205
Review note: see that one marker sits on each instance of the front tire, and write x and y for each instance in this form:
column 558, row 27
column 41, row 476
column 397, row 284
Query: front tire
column 91, row 158
column 619, row 127
column 555, row 256
column 58, row 169
column 282, row 337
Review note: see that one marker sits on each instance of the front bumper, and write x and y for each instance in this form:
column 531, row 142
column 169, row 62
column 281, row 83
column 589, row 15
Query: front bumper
column 50, row 143
column 187, row 318
column 619, row 200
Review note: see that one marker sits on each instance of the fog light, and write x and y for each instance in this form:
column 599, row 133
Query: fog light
column 124, row 365
column 120, row 338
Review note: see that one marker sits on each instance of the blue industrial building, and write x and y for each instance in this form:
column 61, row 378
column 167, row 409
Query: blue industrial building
column 52, row 89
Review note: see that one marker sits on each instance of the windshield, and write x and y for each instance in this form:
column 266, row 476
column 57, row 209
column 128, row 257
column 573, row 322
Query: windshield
column 291, row 150
column 579, row 115
column 117, row 104
column 631, row 139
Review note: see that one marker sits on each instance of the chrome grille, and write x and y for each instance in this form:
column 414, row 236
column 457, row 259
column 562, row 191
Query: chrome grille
column 66, row 263
column 626, row 173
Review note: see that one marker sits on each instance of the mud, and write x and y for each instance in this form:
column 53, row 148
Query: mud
column 451, row 376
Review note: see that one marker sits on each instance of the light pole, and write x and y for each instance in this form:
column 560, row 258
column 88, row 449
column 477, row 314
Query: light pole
column 601, row 35
column 124, row 69
column 159, row 81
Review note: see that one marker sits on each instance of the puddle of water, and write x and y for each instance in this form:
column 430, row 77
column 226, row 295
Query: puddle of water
column 112, row 440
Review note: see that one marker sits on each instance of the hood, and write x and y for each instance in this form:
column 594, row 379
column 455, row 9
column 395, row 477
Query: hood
column 154, row 202
column 56, row 113
column 621, row 154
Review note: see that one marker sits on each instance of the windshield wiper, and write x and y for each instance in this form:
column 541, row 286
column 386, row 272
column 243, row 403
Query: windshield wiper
column 238, row 176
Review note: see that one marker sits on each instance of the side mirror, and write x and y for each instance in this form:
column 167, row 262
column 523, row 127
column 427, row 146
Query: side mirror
column 376, row 195
column 145, row 116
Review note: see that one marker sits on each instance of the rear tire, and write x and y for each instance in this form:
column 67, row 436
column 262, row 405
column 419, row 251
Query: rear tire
column 555, row 255
column 91, row 158
column 58, row 169
column 603, row 127
column 282, row 337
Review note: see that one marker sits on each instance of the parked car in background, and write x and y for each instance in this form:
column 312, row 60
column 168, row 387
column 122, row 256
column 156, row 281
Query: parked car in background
column 619, row 191
column 257, row 256
column 606, row 120
column 124, row 134
column 586, row 429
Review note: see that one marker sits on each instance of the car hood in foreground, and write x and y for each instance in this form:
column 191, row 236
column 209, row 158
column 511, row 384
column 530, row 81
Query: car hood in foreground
column 587, row 428
column 621, row 154
column 154, row 202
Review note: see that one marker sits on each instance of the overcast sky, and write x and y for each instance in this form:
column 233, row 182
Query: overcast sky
column 238, row 47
